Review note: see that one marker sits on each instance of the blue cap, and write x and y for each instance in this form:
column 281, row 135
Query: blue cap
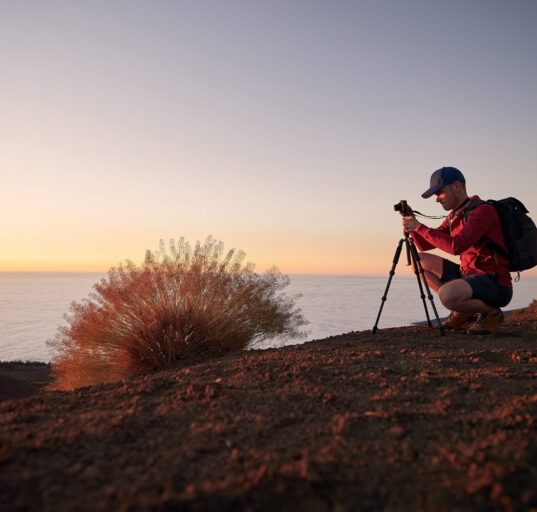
column 442, row 177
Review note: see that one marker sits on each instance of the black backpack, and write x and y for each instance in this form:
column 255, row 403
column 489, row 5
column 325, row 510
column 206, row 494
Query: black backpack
column 519, row 233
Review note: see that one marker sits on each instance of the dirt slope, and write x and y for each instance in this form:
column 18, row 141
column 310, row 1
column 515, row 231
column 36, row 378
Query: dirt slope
column 21, row 380
column 403, row 420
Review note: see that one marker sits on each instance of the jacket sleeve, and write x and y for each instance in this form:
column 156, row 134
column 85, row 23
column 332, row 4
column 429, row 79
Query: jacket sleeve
column 422, row 243
column 479, row 222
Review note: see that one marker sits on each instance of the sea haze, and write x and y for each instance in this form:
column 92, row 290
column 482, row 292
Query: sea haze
column 32, row 306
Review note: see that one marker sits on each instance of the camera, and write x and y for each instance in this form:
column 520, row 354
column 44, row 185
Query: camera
column 403, row 208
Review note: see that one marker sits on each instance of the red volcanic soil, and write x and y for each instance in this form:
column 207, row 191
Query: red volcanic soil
column 403, row 420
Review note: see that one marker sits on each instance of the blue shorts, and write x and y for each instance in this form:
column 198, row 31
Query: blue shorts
column 484, row 286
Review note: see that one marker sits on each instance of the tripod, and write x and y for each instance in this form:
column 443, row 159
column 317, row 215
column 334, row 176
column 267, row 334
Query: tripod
column 412, row 257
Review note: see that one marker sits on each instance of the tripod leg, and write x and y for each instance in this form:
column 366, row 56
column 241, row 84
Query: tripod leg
column 392, row 272
column 417, row 261
column 418, row 277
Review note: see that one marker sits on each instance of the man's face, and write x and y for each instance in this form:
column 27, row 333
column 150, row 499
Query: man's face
column 447, row 197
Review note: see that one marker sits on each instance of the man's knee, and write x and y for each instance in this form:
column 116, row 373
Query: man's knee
column 446, row 298
column 454, row 293
column 424, row 261
column 432, row 263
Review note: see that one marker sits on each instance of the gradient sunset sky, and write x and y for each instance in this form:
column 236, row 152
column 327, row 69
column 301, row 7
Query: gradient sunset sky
column 285, row 128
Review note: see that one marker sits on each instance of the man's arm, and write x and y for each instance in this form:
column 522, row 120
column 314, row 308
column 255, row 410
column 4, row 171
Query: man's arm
column 410, row 224
column 479, row 222
column 421, row 243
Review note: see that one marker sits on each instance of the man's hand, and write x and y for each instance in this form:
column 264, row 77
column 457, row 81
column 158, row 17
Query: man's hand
column 410, row 223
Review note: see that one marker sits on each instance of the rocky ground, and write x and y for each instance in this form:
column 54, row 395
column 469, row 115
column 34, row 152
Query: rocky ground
column 403, row 420
column 21, row 380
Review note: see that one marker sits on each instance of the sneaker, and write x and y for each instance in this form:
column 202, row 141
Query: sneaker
column 487, row 324
column 457, row 319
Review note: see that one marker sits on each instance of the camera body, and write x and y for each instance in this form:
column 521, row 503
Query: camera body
column 403, row 208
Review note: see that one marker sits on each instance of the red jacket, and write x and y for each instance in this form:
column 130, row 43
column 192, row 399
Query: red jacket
column 455, row 236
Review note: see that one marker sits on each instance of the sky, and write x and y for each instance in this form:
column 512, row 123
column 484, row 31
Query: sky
column 286, row 129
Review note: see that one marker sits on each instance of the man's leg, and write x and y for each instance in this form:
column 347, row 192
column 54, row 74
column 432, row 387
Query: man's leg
column 462, row 296
column 454, row 292
column 457, row 296
column 433, row 268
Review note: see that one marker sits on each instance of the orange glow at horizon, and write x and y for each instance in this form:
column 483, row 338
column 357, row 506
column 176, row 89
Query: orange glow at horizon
column 296, row 264
column 376, row 268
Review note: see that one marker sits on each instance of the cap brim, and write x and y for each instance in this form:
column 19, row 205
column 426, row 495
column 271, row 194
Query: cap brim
column 428, row 193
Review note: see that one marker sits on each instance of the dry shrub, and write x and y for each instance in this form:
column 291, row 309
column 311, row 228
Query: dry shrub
column 178, row 307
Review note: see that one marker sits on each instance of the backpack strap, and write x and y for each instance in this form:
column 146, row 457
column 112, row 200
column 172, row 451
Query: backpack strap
column 489, row 244
column 471, row 206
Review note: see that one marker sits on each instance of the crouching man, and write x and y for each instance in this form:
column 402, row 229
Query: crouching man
column 476, row 289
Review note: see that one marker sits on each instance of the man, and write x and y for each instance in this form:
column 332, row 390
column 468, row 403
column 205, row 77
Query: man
column 481, row 284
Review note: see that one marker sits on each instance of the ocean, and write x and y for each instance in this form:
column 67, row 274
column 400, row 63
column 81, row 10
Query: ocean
column 32, row 306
